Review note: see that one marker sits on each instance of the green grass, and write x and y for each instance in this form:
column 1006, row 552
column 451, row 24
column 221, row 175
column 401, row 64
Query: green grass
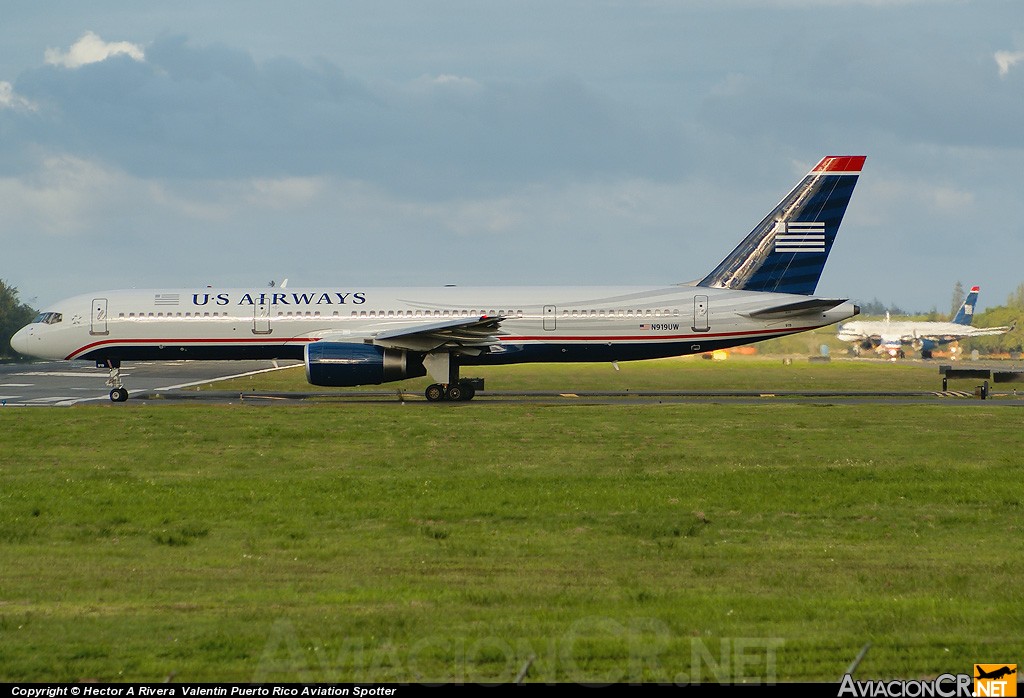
column 432, row 543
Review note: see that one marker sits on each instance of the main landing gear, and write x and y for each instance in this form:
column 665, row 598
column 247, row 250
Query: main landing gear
column 462, row 391
column 444, row 368
column 118, row 393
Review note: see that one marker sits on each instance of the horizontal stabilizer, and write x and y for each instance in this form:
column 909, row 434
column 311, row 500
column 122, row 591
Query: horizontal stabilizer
column 802, row 307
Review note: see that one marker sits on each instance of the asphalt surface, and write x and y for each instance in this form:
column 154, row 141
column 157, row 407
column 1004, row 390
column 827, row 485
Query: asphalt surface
column 63, row 383
column 60, row 383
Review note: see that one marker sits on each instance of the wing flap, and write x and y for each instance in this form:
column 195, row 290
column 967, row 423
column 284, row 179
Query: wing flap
column 457, row 333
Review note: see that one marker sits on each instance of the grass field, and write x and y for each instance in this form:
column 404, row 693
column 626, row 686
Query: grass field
column 391, row 542
column 686, row 373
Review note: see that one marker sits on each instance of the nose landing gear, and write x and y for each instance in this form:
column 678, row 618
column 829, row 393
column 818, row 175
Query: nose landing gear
column 118, row 393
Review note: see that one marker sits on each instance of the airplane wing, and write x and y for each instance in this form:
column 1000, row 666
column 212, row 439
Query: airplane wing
column 797, row 308
column 849, row 336
column 988, row 331
column 966, row 334
column 468, row 335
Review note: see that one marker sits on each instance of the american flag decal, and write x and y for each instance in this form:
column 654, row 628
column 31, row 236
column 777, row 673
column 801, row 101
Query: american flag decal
column 166, row 299
column 801, row 237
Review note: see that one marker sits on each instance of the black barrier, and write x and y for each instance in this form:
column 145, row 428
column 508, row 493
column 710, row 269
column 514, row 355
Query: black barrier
column 951, row 372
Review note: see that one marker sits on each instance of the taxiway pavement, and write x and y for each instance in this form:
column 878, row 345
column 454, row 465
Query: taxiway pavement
column 59, row 383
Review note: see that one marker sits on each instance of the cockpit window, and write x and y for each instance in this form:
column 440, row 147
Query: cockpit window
column 48, row 318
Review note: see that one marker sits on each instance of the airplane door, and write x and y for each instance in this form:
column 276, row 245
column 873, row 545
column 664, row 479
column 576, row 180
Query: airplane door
column 550, row 317
column 261, row 318
column 700, row 314
column 98, row 320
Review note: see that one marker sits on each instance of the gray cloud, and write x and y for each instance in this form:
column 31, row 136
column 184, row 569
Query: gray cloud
column 936, row 87
column 213, row 111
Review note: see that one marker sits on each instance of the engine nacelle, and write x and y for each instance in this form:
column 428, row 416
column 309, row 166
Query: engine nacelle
column 341, row 364
column 924, row 344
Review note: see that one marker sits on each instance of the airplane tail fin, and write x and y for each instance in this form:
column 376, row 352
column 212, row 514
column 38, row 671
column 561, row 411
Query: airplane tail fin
column 965, row 316
column 786, row 252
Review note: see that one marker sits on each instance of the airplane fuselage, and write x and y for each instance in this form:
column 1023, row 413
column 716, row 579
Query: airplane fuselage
column 563, row 324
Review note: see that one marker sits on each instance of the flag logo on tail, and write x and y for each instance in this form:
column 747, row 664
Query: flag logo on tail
column 800, row 237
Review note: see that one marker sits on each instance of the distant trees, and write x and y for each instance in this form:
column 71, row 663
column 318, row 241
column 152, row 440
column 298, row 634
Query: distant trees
column 1010, row 314
column 1016, row 299
column 13, row 316
column 876, row 307
column 958, row 299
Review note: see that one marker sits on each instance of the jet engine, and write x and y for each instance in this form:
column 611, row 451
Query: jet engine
column 925, row 346
column 341, row 364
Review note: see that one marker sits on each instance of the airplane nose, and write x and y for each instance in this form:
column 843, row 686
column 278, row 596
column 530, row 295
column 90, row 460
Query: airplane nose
column 19, row 342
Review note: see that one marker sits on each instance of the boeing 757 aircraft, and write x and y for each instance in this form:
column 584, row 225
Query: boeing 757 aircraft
column 351, row 335
column 887, row 337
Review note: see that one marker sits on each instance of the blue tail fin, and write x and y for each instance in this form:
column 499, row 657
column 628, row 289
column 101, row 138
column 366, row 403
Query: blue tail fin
column 965, row 316
column 786, row 252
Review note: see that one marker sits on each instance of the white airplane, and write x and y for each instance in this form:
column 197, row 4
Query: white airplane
column 888, row 337
column 352, row 335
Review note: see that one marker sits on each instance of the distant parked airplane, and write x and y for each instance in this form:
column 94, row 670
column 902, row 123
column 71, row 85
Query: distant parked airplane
column 887, row 337
column 351, row 335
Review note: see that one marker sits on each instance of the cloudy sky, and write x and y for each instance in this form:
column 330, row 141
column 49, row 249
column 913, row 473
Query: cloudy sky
column 393, row 142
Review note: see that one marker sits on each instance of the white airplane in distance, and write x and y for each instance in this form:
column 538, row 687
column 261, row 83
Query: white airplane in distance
column 351, row 335
column 889, row 338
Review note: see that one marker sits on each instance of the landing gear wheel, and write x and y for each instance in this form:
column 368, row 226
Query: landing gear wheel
column 455, row 393
column 468, row 392
column 118, row 395
column 435, row 392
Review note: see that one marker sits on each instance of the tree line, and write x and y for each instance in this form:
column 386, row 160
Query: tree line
column 1010, row 314
column 13, row 316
